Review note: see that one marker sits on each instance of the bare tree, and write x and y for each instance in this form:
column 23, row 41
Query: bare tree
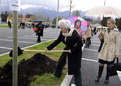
column 47, row 19
column 33, row 17
column 40, row 16
column 70, row 7
column 76, row 13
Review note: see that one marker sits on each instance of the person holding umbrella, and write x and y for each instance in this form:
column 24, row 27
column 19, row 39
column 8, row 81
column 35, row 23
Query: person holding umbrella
column 73, row 42
column 109, row 49
column 77, row 26
column 40, row 27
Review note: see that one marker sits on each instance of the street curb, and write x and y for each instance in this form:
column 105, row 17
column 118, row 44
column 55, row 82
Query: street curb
column 68, row 78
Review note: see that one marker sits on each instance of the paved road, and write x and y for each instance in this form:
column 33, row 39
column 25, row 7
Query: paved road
column 90, row 66
column 26, row 37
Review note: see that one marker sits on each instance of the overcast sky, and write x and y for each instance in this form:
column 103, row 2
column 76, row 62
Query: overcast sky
column 83, row 5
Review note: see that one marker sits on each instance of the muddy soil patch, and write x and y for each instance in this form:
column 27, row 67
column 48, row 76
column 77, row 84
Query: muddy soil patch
column 37, row 65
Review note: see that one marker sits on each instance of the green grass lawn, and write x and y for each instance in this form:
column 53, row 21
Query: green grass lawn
column 46, row 79
column 6, row 26
column 3, row 26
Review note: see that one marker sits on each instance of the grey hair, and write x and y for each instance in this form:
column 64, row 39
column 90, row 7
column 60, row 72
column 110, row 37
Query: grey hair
column 65, row 23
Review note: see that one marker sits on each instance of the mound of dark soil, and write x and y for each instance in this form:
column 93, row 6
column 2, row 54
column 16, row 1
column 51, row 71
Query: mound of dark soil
column 37, row 65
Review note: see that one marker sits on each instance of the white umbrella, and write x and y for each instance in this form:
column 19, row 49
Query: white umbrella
column 106, row 11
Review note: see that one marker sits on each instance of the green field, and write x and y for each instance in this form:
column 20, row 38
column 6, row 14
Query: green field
column 3, row 26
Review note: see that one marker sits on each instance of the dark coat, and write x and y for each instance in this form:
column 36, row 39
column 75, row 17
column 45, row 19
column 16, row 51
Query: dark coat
column 40, row 29
column 74, row 43
column 9, row 23
column 101, row 44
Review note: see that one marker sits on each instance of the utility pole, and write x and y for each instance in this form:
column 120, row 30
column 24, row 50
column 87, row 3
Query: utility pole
column 70, row 7
column 0, row 12
column 57, row 17
column 15, row 48
column 105, row 2
column 14, row 6
column 103, row 15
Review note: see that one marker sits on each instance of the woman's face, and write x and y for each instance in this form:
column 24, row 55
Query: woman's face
column 78, row 24
column 110, row 25
column 64, row 30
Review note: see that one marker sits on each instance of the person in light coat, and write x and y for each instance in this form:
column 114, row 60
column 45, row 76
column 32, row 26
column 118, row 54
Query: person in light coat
column 88, row 34
column 110, row 48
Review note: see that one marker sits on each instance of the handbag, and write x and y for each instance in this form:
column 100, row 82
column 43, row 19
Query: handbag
column 112, row 68
column 101, row 36
column 35, row 29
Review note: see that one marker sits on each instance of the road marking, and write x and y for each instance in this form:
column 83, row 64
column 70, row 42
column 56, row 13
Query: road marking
column 18, row 41
column 95, row 50
column 32, row 37
column 6, row 48
column 94, row 39
column 89, row 60
column 24, row 37
column 95, row 45
column 73, row 84
column 95, row 42
column 91, row 49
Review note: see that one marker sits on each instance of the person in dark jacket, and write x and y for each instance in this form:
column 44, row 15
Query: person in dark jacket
column 33, row 25
column 73, row 42
column 9, row 24
column 95, row 30
column 23, row 25
column 40, row 27
column 62, row 61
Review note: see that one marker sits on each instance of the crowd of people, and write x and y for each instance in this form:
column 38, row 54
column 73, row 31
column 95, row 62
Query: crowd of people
column 38, row 25
column 73, row 39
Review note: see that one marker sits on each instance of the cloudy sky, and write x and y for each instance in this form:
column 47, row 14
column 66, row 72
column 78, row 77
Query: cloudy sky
column 83, row 5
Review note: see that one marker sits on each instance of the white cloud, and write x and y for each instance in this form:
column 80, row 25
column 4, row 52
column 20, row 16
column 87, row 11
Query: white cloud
column 27, row 6
column 32, row 6
column 64, row 4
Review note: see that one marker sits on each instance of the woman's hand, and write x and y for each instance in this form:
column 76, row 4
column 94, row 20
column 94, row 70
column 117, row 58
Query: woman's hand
column 46, row 50
column 101, row 31
column 69, row 51
column 116, row 56
column 85, row 38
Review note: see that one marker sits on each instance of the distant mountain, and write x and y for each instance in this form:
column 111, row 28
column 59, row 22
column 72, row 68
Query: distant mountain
column 43, row 11
column 5, row 8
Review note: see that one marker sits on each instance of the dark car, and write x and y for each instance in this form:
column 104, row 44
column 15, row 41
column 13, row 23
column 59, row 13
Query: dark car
column 53, row 25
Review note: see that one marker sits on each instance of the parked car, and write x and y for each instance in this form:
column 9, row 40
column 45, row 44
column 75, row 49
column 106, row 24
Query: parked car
column 53, row 26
